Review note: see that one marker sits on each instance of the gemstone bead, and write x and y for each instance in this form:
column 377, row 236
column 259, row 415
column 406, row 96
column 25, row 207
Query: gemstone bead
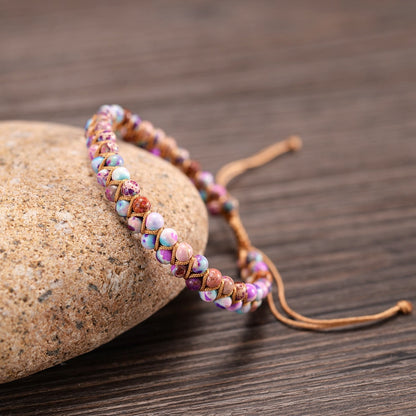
column 214, row 207
column 200, row 264
column 154, row 221
column 224, row 303
column 251, row 292
column 120, row 173
column 193, row 283
column 122, row 207
column 110, row 192
column 214, row 278
column 255, row 305
column 240, row 291
column 88, row 123
column 109, row 147
column 260, row 266
column 245, row 308
column 141, row 205
column 148, row 241
column 254, row 256
column 164, row 256
column 91, row 151
column 235, row 306
column 204, row 179
column 105, row 135
column 130, row 188
column 208, row 295
column 134, row 224
column 114, row 160
column 96, row 162
column 102, row 176
column 228, row 285
column 262, row 290
column 178, row 271
column 217, row 191
column 230, row 205
column 183, row 252
column 168, row 237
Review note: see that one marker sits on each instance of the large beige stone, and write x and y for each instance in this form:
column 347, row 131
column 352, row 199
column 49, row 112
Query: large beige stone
column 72, row 276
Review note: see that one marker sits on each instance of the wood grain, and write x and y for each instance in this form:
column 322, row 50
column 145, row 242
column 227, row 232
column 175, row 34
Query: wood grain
column 227, row 78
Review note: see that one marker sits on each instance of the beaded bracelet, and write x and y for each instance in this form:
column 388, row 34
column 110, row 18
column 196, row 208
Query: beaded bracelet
column 256, row 269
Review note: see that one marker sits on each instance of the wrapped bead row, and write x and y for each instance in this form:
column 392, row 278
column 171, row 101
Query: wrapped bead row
column 101, row 134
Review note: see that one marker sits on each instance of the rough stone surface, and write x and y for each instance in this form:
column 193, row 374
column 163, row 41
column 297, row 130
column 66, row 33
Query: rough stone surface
column 72, row 277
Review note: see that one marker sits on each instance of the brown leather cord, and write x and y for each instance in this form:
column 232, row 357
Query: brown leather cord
column 295, row 319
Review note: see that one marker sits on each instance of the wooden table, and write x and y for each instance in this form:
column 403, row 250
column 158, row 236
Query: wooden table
column 227, row 78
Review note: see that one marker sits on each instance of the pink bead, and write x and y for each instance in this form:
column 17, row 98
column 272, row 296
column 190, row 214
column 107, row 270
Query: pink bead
column 91, row 151
column 184, row 252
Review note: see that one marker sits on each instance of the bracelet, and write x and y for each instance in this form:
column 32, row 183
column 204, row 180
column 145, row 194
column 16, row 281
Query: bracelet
column 256, row 269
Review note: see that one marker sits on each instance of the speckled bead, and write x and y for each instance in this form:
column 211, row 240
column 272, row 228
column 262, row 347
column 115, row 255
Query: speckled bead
column 114, row 160
column 183, row 252
column 168, row 237
column 214, row 278
column 141, row 205
column 120, row 174
column 224, row 303
column 102, row 176
column 178, row 271
column 154, row 221
column 122, row 207
column 240, row 291
column 109, row 147
column 130, row 188
column 148, row 241
column 200, row 264
column 110, row 192
column 91, row 151
column 104, row 135
column 134, row 224
column 96, row 162
column 262, row 290
column 164, row 256
column 208, row 295
column 193, row 283
column 228, row 285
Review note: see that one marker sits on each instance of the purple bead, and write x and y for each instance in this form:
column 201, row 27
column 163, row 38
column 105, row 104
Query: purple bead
column 102, row 176
column 110, row 192
column 251, row 292
column 135, row 120
column 235, row 306
column 89, row 141
column 134, row 224
column 91, row 151
column 214, row 207
column 205, row 179
column 200, row 264
column 105, row 135
column 262, row 290
column 114, row 160
column 130, row 188
column 260, row 266
column 164, row 256
column 217, row 191
column 156, row 152
column 193, row 283
column 154, row 221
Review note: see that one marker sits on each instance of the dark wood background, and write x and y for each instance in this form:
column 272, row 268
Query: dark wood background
column 227, row 78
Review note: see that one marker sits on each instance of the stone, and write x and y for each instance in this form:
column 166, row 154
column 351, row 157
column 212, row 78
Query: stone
column 72, row 276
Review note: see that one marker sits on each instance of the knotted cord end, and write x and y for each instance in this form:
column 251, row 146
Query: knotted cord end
column 405, row 307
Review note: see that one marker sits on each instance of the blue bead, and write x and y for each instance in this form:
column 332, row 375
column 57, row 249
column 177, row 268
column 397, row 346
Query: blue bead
column 148, row 241
column 96, row 162
column 88, row 123
column 120, row 173
column 122, row 207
